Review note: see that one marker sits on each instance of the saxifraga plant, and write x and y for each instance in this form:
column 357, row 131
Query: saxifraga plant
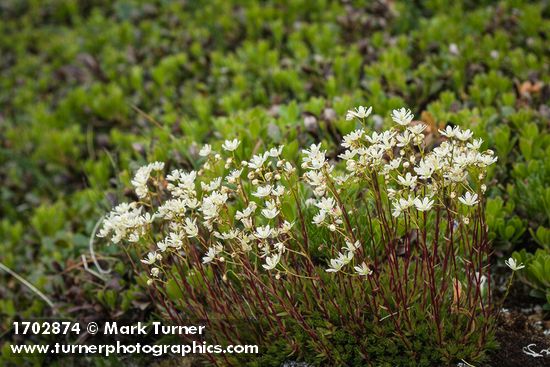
column 381, row 258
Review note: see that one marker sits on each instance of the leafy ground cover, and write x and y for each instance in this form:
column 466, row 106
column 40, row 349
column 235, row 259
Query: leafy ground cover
column 91, row 90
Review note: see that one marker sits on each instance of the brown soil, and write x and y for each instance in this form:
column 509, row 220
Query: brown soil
column 516, row 331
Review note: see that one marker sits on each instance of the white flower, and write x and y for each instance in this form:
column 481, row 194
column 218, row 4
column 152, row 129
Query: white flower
column 456, row 174
column 512, row 264
column 191, row 228
column 212, row 203
column 443, row 150
column 393, row 164
column 404, row 139
column 337, row 264
column 174, row 239
column 424, row 204
column 232, row 234
column 133, row 237
column 270, row 210
column 151, row 258
column 280, row 247
column 417, row 129
column 486, row 159
column 424, row 169
column 289, row 168
column 162, row 245
column 325, row 204
column 401, row 205
column 469, row 199
column 363, row 270
column 263, row 191
column 286, row 227
column 212, row 185
column 351, row 138
column 476, row 144
column 192, row 203
column 449, row 131
column 247, row 212
column 376, row 138
column 407, row 203
column 352, row 246
column 155, row 272
column 258, row 161
column 263, row 232
column 408, row 181
column 234, row 175
column 142, row 176
column 211, row 253
column 275, row 152
column 314, row 158
column 319, row 218
column 341, row 179
column 396, row 212
column 272, row 261
column 402, row 116
column 348, row 154
column 181, row 183
column 231, row 145
column 463, row 134
column 205, row 150
column 278, row 191
column 360, row 112
column 453, row 49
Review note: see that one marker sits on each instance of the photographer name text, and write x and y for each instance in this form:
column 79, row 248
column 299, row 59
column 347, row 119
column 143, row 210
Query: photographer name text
column 156, row 328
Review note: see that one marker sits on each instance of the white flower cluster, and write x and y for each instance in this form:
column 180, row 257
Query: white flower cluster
column 232, row 210
column 125, row 221
column 194, row 209
column 415, row 180
column 142, row 176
